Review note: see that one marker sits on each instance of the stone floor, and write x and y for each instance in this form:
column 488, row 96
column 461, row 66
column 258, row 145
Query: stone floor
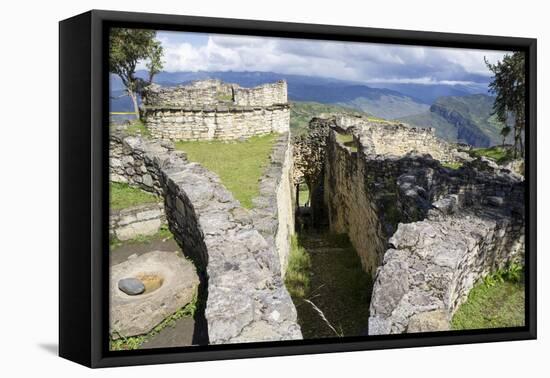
column 181, row 332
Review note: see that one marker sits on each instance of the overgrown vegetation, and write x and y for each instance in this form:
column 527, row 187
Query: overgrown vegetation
column 298, row 270
column 328, row 286
column 347, row 140
column 499, row 154
column 134, row 342
column 137, row 127
column 497, row 301
column 163, row 234
column 239, row 164
column 123, row 196
column 455, row 165
column 303, row 195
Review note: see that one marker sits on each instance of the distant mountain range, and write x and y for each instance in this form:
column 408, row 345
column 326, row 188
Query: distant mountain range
column 386, row 101
column 467, row 119
column 457, row 112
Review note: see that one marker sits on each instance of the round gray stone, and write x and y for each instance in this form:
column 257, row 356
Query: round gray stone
column 131, row 286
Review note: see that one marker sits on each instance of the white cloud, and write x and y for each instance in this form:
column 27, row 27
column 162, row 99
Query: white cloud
column 341, row 60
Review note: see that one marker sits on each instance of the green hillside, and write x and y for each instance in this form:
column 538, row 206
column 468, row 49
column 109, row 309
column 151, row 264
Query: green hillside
column 387, row 106
column 465, row 119
column 302, row 112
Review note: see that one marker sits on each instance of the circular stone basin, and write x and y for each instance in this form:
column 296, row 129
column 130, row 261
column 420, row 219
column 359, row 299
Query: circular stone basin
column 150, row 281
column 170, row 282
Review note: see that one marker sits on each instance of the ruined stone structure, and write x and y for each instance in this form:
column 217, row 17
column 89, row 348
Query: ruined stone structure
column 210, row 109
column 273, row 212
column 426, row 233
column 240, row 271
column 142, row 220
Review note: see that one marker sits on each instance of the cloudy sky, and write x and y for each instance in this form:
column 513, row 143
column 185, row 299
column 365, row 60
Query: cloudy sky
column 362, row 62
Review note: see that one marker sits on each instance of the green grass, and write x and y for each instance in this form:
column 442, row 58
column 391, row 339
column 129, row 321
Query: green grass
column 298, row 270
column 454, row 165
column 163, row 234
column 497, row 153
column 347, row 140
column 136, row 127
column 239, row 164
column 123, row 196
column 134, row 342
column 495, row 302
column 324, row 269
column 303, row 195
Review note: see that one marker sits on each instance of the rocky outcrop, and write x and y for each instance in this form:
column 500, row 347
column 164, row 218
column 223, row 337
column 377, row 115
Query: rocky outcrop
column 467, row 131
column 246, row 298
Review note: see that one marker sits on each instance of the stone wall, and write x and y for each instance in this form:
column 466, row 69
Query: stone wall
column 432, row 265
column 246, row 297
column 426, row 232
column 351, row 207
column 273, row 213
column 193, row 95
column 220, row 122
column 207, row 110
column 263, row 95
column 396, row 139
column 142, row 220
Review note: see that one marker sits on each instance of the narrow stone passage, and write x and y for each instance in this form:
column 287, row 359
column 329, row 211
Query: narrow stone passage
column 338, row 287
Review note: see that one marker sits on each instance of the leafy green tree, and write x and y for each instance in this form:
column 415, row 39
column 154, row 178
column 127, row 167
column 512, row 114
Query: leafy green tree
column 509, row 86
column 127, row 48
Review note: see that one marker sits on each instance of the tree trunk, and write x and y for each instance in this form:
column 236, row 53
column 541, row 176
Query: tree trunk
column 133, row 96
column 515, row 141
column 297, row 196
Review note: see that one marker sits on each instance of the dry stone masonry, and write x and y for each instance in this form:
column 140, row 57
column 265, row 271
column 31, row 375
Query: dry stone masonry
column 273, row 212
column 211, row 109
column 142, row 220
column 246, row 298
column 426, row 233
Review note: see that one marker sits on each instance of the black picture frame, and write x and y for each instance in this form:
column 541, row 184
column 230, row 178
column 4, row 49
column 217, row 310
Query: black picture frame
column 83, row 196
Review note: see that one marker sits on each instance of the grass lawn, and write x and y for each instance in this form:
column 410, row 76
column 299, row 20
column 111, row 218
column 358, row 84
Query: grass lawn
column 163, row 234
column 239, row 164
column 303, row 195
column 497, row 153
column 451, row 165
column 347, row 140
column 324, row 274
column 298, row 270
column 493, row 303
column 123, row 196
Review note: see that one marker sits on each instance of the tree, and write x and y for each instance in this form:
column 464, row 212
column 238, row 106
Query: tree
column 509, row 86
column 127, row 48
column 505, row 132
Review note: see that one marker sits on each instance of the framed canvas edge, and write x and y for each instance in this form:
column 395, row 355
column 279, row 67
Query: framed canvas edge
column 100, row 357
